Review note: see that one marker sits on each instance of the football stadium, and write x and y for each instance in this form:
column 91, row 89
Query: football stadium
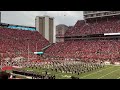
column 88, row 50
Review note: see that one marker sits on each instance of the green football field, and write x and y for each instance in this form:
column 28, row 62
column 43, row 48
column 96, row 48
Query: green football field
column 107, row 72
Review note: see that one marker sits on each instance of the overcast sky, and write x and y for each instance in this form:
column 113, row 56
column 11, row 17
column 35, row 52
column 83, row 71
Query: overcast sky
column 27, row 18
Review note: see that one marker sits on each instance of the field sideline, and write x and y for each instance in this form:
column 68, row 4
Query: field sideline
column 107, row 72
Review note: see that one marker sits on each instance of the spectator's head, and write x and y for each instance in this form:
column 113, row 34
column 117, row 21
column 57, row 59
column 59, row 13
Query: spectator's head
column 4, row 75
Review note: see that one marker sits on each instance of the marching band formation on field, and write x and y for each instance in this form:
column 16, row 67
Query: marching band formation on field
column 61, row 66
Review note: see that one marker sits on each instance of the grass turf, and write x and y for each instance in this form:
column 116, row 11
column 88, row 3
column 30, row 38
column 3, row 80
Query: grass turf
column 107, row 72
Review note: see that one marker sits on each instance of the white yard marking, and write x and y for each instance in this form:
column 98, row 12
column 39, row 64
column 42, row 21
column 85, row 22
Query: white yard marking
column 97, row 72
column 118, row 78
column 22, row 75
column 66, row 76
column 108, row 73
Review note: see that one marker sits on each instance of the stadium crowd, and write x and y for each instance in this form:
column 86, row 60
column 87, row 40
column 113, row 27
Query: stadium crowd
column 16, row 43
column 92, row 50
column 100, row 26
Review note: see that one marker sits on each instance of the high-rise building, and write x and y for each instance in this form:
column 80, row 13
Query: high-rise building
column 45, row 25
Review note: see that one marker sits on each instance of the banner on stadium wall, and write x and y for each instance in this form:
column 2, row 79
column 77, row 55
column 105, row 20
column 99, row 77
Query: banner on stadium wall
column 6, row 68
column 111, row 33
column 38, row 53
column 21, row 27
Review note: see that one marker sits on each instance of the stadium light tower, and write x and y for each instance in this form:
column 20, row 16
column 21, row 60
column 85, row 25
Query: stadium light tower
column 36, row 49
column 1, row 60
column 28, row 49
column 0, row 16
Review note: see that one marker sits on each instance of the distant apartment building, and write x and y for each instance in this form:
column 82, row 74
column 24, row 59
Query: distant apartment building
column 60, row 31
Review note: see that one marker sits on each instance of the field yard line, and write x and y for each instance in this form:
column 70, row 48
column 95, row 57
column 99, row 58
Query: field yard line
column 22, row 75
column 97, row 72
column 108, row 73
column 118, row 78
